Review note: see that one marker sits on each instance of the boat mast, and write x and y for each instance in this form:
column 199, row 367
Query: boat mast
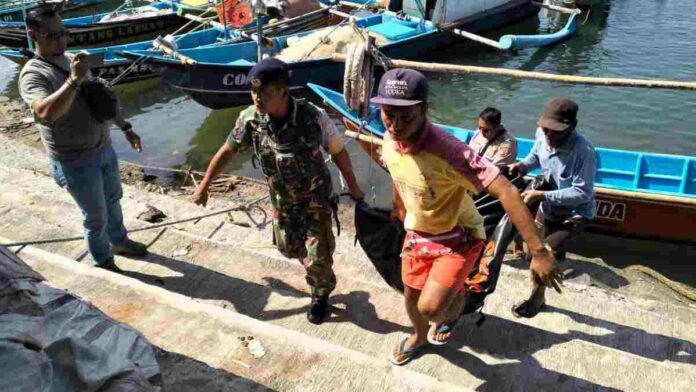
column 259, row 8
column 26, row 28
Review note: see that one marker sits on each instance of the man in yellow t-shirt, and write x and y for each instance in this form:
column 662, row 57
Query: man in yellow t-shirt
column 435, row 174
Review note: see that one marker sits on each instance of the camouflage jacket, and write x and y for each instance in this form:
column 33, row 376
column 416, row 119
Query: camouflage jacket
column 289, row 155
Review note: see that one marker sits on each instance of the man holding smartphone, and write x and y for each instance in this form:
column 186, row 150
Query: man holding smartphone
column 78, row 145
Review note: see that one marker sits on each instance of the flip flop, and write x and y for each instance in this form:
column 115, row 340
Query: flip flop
column 443, row 328
column 522, row 309
column 407, row 354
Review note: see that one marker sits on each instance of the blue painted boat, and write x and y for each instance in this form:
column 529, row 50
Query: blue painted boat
column 217, row 77
column 114, row 65
column 639, row 194
column 89, row 31
column 13, row 11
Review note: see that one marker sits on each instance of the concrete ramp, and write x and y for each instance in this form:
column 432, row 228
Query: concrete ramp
column 207, row 283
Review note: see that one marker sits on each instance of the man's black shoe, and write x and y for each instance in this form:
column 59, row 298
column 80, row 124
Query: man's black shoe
column 318, row 309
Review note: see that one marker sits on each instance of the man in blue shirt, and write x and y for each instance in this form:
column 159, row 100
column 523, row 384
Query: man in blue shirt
column 567, row 161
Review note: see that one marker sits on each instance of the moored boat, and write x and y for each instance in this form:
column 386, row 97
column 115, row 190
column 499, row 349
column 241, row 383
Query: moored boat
column 108, row 28
column 638, row 194
column 216, row 77
column 14, row 11
column 114, row 65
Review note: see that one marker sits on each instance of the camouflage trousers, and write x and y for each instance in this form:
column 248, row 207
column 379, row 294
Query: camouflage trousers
column 307, row 236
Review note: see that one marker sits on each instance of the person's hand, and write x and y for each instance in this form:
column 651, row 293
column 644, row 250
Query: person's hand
column 517, row 169
column 356, row 194
column 134, row 140
column 200, row 196
column 532, row 196
column 545, row 271
column 78, row 68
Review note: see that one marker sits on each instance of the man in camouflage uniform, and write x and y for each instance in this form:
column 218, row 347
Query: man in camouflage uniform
column 285, row 135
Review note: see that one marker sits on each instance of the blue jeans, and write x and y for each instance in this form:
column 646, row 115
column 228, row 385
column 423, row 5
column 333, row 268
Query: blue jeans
column 95, row 185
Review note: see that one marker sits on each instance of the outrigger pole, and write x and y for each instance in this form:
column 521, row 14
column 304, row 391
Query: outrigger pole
column 24, row 16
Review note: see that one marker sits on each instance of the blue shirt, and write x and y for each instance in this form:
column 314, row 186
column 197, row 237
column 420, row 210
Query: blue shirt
column 570, row 169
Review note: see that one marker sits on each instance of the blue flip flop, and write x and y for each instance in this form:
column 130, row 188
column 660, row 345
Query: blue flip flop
column 443, row 328
column 407, row 354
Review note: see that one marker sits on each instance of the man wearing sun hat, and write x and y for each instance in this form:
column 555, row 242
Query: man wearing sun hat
column 434, row 174
column 568, row 162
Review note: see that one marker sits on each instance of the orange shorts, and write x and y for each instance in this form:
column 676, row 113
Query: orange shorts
column 449, row 269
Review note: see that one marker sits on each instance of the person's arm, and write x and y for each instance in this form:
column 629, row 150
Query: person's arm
column 342, row 161
column 530, row 162
column 219, row 161
column 332, row 141
column 55, row 105
column 239, row 137
column 127, row 128
column 543, row 266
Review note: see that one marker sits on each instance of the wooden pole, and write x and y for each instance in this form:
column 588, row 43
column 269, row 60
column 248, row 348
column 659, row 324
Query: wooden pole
column 363, row 137
column 477, row 38
column 468, row 69
column 558, row 8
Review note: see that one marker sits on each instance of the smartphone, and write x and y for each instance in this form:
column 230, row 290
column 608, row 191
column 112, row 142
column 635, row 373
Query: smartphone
column 94, row 59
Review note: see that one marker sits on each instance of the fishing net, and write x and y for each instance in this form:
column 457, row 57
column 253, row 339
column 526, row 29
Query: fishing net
column 323, row 43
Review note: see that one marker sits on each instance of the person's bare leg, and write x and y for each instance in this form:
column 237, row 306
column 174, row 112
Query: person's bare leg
column 420, row 323
column 439, row 304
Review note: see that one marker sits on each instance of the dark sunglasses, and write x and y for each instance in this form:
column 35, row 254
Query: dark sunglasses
column 54, row 35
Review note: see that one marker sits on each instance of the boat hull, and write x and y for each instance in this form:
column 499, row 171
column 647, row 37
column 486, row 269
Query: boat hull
column 103, row 34
column 222, row 86
column 633, row 216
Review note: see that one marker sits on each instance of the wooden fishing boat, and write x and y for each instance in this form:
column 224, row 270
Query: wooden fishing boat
column 14, row 11
column 216, row 77
column 638, row 194
column 90, row 31
column 114, row 65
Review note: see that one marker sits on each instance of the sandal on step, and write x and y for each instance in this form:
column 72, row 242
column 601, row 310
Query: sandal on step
column 442, row 328
column 406, row 354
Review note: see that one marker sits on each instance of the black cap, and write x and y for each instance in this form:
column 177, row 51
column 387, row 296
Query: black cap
column 402, row 87
column 268, row 71
column 559, row 114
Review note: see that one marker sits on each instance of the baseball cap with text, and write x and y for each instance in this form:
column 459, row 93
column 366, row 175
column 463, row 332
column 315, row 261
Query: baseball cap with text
column 401, row 87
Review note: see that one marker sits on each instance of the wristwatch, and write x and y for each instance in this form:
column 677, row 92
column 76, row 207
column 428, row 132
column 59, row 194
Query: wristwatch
column 127, row 127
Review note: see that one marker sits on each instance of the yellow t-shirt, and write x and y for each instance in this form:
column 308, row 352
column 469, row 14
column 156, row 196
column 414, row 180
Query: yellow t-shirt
column 435, row 179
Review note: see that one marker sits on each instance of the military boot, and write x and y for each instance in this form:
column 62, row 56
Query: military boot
column 318, row 309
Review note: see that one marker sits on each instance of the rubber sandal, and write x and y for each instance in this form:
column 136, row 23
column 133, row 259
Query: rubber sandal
column 522, row 309
column 406, row 354
column 443, row 328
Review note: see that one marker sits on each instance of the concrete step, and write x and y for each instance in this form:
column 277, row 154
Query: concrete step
column 293, row 361
column 577, row 344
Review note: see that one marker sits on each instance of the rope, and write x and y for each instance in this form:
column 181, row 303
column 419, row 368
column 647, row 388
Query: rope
column 243, row 207
column 127, row 71
column 678, row 288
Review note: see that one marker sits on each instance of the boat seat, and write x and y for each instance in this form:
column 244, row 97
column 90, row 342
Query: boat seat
column 241, row 62
column 393, row 30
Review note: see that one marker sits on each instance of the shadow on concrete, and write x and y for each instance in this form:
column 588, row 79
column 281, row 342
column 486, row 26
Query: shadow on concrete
column 184, row 374
column 675, row 261
column 515, row 344
column 358, row 310
column 251, row 299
